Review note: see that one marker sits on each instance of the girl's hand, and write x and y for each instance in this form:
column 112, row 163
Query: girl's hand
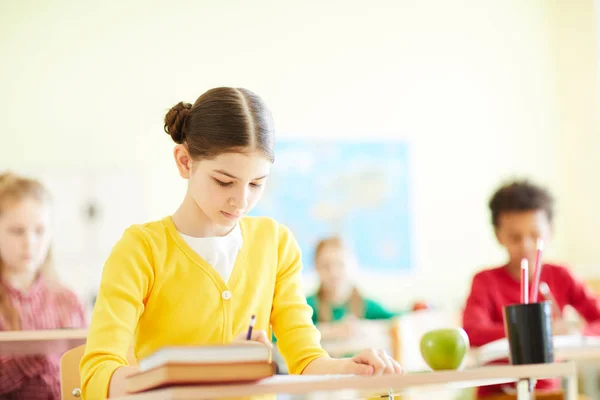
column 258, row 336
column 367, row 362
column 372, row 362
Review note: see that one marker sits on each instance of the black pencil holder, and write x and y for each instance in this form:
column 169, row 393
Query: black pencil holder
column 528, row 329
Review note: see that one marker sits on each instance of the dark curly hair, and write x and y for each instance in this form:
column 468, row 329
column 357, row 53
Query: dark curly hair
column 520, row 195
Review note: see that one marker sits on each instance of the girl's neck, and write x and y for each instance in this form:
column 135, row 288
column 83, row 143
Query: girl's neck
column 20, row 280
column 190, row 220
column 339, row 296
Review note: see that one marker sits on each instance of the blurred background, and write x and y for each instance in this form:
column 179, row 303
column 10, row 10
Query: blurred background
column 463, row 94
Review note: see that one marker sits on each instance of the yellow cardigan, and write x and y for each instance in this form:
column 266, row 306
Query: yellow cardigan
column 157, row 291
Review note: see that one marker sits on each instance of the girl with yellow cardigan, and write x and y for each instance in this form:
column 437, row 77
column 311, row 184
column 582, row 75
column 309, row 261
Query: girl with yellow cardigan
column 196, row 277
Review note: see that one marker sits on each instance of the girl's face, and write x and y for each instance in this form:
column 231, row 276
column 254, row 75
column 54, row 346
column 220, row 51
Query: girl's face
column 228, row 187
column 335, row 265
column 24, row 235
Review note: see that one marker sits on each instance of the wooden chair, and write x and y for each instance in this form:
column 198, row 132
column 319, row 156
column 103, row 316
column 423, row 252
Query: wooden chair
column 70, row 379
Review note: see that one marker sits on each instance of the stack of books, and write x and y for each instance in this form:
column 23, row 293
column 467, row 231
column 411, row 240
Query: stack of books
column 197, row 365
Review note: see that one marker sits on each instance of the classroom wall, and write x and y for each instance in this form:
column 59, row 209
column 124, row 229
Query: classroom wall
column 577, row 42
column 471, row 85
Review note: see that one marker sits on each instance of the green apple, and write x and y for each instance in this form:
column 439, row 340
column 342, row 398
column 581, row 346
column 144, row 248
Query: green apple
column 445, row 349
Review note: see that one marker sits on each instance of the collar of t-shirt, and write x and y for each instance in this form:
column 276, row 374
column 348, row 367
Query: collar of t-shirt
column 218, row 251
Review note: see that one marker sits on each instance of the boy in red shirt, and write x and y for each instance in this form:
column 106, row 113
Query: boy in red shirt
column 521, row 214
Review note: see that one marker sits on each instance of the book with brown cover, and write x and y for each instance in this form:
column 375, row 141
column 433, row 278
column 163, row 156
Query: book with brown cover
column 210, row 354
column 198, row 374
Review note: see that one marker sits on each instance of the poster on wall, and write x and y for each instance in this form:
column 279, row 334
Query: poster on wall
column 359, row 191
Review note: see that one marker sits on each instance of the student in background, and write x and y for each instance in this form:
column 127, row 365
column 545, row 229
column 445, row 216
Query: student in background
column 196, row 277
column 30, row 296
column 337, row 299
column 521, row 214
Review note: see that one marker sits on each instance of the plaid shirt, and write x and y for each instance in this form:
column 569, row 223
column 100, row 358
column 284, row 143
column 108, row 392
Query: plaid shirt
column 37, row 377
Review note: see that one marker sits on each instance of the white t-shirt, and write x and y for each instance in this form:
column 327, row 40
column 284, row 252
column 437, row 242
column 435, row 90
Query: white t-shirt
column 219, row 251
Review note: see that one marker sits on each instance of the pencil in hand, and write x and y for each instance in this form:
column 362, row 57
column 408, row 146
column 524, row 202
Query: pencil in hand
column 251, row 327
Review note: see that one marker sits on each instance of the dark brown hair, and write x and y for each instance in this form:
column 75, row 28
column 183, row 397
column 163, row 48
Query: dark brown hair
column 222, row 120
column 518, row 196
column 356, row 302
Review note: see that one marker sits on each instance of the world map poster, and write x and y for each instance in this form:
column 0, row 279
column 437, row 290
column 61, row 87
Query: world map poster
column 359, row 191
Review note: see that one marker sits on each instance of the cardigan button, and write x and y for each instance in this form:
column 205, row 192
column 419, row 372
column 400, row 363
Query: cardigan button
column 226, row 295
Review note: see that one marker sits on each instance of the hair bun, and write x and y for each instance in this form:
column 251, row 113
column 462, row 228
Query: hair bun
column 175, row 121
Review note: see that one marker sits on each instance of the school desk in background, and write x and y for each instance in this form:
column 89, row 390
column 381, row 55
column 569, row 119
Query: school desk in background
column 42, row 342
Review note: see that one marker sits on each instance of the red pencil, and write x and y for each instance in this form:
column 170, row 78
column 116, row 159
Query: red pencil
column 537, row 272
column 524, row 281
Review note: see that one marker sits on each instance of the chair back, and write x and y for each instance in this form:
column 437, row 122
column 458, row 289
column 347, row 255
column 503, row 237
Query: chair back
column 70, row 380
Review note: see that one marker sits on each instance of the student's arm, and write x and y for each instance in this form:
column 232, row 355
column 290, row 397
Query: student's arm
column 476, row 316
column 127, row 279
column 297, row 337
column 584, row 301
column 16, row 370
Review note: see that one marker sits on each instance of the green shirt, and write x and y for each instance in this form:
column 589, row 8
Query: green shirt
column 373, row 310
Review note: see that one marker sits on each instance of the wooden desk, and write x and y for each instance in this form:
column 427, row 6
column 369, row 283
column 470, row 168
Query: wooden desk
column 585, row 351
column 55, row 341
column 381, row 384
